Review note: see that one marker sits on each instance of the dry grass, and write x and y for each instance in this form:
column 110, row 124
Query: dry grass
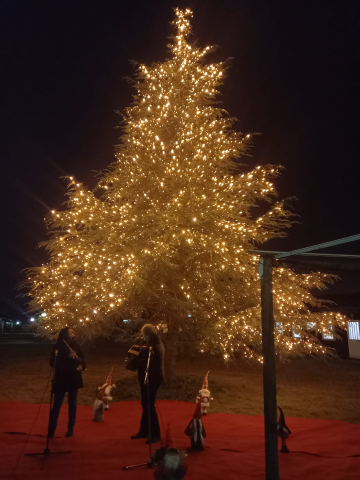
column 306, row 387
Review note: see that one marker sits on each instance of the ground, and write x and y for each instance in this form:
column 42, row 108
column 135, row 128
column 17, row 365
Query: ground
column 311, row 388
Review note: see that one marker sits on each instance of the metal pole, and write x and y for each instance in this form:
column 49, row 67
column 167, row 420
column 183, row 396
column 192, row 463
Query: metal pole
column 147, row 382
column 46, row 451
column 329, row 265
column 269, row 370
column 341, row 241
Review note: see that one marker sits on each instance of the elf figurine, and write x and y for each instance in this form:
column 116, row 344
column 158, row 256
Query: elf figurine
column 204, row 396
column 169, row 462
column 195, row 430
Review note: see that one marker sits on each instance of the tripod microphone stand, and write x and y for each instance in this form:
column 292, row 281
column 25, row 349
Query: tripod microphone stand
column 146, row 381
column 46, row 452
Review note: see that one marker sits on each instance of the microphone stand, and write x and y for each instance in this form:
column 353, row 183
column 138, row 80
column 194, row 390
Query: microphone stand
column 146, row 381
column 46, row 452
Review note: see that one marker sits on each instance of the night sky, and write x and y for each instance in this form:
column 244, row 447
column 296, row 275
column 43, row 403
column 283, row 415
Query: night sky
column 294, row 78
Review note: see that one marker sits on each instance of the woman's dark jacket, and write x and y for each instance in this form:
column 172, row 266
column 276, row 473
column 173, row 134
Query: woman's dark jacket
column 67, row 378
column 156, row 369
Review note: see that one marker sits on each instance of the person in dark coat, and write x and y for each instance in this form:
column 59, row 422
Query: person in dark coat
column 156, row 378
column 68, row 366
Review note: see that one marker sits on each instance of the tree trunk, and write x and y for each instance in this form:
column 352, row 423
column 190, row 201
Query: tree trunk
column 171, row 346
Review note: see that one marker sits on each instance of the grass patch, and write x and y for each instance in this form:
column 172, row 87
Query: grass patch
column 307, row 387
column 184, row 388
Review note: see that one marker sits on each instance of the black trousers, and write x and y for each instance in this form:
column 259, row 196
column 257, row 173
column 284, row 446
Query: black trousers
column 58, row 401
column 146, row 406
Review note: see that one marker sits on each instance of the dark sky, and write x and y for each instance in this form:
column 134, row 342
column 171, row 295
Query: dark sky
column 294, row 78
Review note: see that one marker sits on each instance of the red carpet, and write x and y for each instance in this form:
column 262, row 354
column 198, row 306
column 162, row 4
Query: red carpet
column 234, row 447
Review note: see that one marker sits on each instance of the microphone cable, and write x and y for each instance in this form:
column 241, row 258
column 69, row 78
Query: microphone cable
column 31, row 429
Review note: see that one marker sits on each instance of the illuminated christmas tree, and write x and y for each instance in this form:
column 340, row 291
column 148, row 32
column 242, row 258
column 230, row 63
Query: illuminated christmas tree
column 168, row 241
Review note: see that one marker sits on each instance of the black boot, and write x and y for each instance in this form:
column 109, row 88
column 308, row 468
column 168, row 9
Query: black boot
column 70, row 432
column 139, row 435
column 51, row 433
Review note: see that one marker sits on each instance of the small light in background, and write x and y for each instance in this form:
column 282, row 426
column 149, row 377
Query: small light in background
column 32, row 319
column 43, row 314
column 17, row 323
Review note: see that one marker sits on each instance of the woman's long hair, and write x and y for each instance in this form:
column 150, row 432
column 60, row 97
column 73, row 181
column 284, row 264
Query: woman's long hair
column 63, row 335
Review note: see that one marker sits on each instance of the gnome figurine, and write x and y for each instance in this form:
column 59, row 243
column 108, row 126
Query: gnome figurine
column 168, row 460
column 204, row 396
column 108, row 386
column 99, row 406
column 283, row 432
column 103, row 398
column 195, row 430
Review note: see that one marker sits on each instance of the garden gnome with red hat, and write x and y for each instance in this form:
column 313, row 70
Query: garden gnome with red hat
column 204, row 396
column 195, row 430
column 108, row 386
column 169, row 461
column 103, row 398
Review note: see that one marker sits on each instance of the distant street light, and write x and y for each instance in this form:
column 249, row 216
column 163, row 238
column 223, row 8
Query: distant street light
column 32, row 319
column 43, row 314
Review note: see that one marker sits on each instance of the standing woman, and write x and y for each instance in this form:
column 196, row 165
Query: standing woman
column 68, row 364
column 156, row 378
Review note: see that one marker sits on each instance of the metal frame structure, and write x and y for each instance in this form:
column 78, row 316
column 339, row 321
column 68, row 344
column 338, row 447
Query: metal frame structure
column 268, row 260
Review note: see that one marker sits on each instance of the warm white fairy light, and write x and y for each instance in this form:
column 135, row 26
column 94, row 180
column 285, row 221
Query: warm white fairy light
column 170, row 234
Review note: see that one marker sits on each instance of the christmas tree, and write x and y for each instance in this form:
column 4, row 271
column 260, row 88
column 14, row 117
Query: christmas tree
column 168, row 239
